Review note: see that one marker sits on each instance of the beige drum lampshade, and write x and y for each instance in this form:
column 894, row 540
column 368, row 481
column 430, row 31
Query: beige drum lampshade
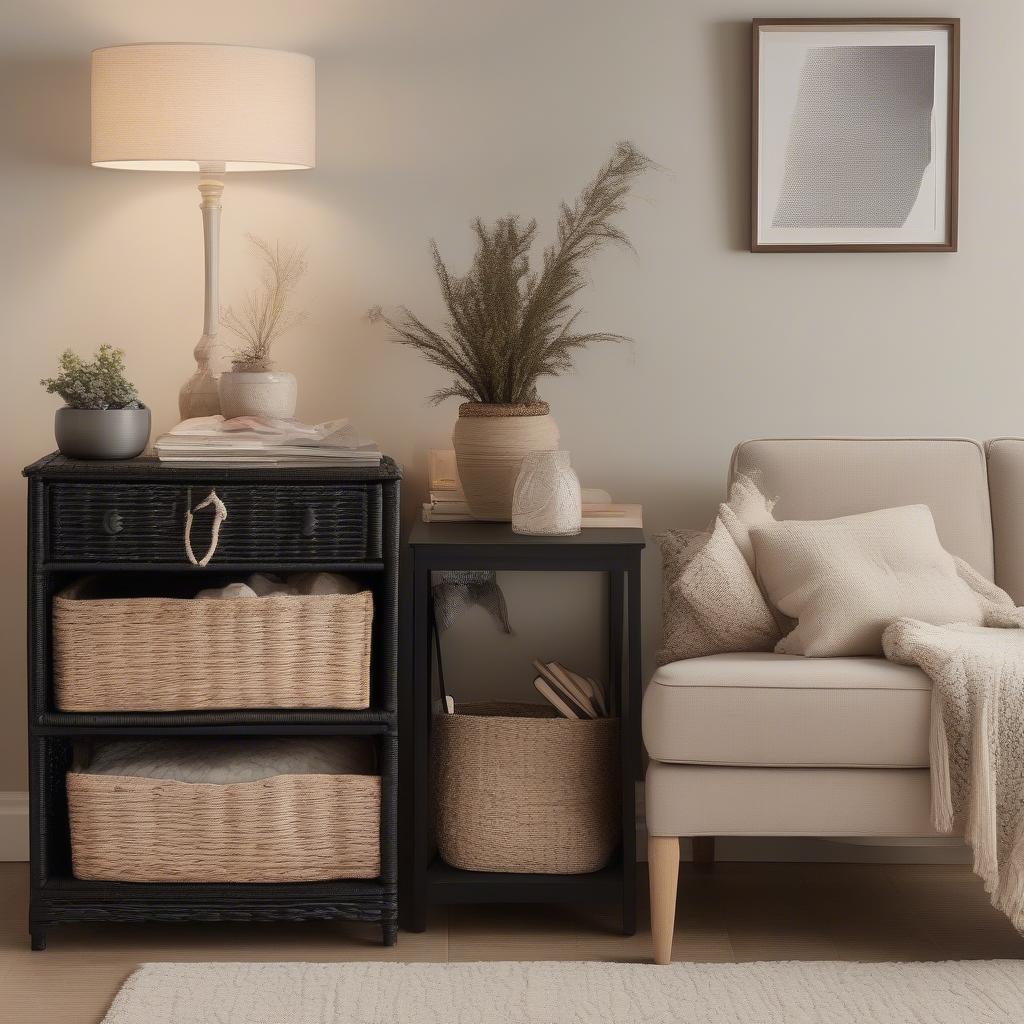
column 174, row 106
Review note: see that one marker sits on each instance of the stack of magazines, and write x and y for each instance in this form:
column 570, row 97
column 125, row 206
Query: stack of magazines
column 254, row 441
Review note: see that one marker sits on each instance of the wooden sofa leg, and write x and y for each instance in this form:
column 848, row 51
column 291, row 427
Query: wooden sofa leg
column 704, row 851
column 663, row 862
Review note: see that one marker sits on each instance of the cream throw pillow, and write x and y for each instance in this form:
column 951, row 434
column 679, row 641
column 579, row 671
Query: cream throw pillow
column 746, row 508
column 846, row 579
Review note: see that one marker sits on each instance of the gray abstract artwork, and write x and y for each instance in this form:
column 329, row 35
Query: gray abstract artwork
column 860, row 138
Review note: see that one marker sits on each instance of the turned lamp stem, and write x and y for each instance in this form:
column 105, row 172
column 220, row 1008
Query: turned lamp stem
column 211, row 187
column 199, row 396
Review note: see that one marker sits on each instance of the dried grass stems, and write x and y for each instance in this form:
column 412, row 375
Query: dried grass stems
column 509, row 327
column 265, row 314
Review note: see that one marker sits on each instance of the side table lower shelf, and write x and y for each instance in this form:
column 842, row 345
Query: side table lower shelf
column 446, row 884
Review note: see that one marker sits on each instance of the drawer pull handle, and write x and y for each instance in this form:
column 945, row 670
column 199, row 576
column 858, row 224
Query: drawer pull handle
column 113, row 523
column 309, row 522
column 220, row 513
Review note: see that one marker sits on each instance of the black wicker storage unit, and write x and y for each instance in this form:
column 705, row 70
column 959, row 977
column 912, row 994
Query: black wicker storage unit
column 124, row 522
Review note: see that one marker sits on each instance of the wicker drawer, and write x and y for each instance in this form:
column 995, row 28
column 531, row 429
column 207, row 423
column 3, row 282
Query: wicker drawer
column 145, row 522
column 288, row 828
column 169, row 654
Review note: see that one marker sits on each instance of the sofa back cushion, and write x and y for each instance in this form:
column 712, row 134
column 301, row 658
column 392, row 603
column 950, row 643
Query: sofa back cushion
column 822, row 478
column 1006, row 486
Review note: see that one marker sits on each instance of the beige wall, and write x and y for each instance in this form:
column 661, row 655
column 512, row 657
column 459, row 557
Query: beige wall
column 431, row 113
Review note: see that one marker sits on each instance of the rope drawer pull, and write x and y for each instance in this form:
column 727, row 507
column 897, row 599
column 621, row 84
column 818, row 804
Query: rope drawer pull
column 220, row 513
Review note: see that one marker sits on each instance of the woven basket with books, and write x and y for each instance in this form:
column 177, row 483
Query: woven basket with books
column 523, row 788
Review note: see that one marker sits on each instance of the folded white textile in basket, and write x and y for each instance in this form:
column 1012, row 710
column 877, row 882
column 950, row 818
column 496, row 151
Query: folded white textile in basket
column 302, row 583
column 223, row 761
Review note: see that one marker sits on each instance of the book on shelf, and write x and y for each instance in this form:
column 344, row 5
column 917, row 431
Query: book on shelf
column 603, row 515
column 442, row 470
column 608, row 515
column 572, row 695
column 562, row 703
column 447, row 503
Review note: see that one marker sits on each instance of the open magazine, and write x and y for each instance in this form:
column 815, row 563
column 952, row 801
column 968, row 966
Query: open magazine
column 254, row 440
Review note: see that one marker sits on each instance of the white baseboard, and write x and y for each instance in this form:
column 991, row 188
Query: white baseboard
column 14, row 843
column 13, row 826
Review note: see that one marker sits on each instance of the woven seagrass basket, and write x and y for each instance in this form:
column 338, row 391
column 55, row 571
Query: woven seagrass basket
column 520, row 789
column 288, row 828
column 175, row 654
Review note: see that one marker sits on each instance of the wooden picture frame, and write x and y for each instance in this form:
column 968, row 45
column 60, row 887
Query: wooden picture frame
column 840, row 184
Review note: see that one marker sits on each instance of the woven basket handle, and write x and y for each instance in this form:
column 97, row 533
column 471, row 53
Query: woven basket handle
column 220, row 513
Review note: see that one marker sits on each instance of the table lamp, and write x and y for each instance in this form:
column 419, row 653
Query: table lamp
column 209, row 109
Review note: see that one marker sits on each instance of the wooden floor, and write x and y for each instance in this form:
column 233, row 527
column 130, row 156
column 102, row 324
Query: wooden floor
column 737, row 911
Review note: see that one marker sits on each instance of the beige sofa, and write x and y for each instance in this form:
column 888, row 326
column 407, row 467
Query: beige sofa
column 780, row 745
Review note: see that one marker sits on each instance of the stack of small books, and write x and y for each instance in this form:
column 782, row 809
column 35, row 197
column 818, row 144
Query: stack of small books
column 572, row 695
column 447, row 503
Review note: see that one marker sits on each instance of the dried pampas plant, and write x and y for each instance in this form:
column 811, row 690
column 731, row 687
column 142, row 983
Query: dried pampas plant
column 507, row 328
column 265, row 314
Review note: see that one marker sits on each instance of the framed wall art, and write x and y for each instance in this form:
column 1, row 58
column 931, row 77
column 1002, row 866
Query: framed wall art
column 855, row 134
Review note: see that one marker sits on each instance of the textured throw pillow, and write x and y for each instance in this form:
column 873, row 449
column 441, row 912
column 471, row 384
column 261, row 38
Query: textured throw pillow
column 712, row 603
column 846, row 579
column 746, row 508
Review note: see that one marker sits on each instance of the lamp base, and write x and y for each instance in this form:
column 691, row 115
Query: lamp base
column 199, row 395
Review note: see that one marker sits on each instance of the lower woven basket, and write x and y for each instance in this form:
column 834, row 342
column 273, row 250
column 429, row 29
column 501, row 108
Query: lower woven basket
column 287, row 828
column 520, row 789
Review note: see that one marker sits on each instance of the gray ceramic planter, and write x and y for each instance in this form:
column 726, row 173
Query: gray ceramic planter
column 102, row 433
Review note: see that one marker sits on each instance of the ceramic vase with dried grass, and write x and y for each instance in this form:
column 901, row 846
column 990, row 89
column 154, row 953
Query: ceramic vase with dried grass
column 253, row 387
column 507, row 328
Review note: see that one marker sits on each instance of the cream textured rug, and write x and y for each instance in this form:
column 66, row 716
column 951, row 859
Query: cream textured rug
column 964, row 992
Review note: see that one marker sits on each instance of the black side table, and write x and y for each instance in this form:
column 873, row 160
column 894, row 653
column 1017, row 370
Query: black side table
column 424, row 879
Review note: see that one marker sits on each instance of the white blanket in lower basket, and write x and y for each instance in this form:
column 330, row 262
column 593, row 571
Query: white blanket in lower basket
column 221, row 762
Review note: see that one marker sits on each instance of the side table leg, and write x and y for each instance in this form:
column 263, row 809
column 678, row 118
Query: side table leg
column 631, row 740
column 413, row 897
column 621, row 622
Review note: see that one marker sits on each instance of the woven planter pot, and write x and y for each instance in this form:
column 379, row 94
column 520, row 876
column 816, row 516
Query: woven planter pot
column 288, row 828
column 520, row 789
column 490, row 442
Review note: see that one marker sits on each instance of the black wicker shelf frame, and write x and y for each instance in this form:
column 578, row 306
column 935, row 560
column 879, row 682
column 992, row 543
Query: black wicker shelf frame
column 425, row 880
column 126, row 518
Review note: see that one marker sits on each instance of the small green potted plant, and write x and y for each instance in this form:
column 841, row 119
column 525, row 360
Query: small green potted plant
column 102, row 417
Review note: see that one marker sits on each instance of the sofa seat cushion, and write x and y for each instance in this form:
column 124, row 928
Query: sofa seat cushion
column 786, row 711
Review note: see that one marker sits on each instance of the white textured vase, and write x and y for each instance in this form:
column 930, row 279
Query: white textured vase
column 270, row 394
column 490, row 442
column 547, row 499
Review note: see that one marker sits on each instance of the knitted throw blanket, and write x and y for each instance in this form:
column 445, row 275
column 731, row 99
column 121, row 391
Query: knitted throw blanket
column 977, row 739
